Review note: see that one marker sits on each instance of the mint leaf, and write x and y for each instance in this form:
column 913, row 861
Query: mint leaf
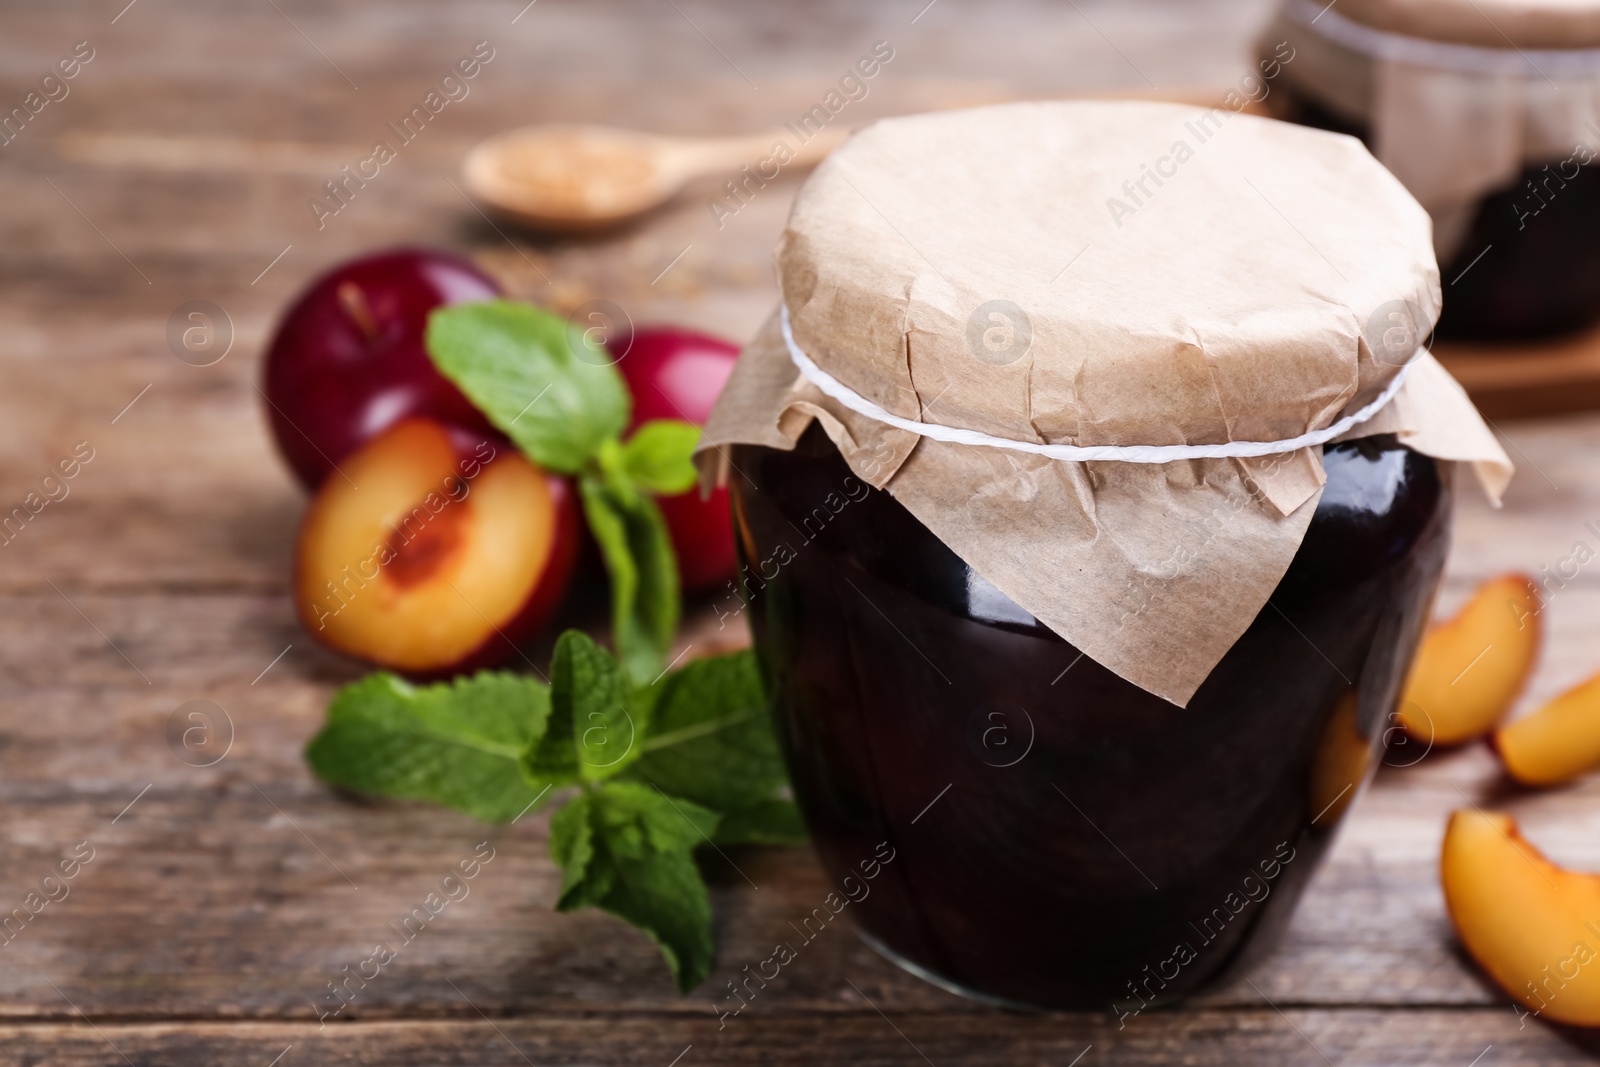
column 644, row 573
column 456, row 744
column 628, row 850
column 766, row 822
column 540, row 381
column 592, row 714
column 711, row 738
column 711, row 742
column 659, row 456
column 572, row 847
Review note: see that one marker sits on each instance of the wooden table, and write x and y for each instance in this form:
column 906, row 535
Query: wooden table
column 222, row 899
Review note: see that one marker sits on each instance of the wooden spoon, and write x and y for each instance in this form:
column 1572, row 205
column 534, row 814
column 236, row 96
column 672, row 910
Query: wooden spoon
column 573, row 178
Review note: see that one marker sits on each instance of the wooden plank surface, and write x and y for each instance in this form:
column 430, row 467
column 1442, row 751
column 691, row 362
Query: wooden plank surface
column 1516, row 380
column 222, row 899
column 1292, row 1038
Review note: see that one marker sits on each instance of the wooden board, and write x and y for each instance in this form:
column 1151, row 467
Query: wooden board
column 223, row 899
column 1517, row 380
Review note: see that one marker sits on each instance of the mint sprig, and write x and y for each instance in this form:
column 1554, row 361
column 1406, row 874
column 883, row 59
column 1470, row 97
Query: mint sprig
column 556, row 393
column 654, row 773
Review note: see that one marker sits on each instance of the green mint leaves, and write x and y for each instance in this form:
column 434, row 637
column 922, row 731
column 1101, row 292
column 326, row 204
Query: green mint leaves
column 712, row 714
column 659, row 771
column 595, row 723
column 658, row 456
column 638, row 552
column 458, row 744
column 556, row 393
column 627, row 849
column 544, row 384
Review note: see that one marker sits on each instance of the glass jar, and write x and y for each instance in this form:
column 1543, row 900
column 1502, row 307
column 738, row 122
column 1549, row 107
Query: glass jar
column 1074, row 702
column 1529, row 263
column 1490, row 120
column 1056, row 836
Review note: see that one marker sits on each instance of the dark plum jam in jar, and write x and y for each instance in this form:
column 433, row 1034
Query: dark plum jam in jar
column 1062, row 838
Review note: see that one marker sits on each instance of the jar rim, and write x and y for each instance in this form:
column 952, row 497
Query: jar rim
column 1463, row 34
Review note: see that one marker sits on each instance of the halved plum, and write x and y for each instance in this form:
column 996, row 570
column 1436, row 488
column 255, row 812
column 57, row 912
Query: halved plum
column 438, row 550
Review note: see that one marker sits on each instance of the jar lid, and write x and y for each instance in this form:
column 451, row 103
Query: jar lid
column 1108, row 272
column 1508, row 24
column 1031, row 278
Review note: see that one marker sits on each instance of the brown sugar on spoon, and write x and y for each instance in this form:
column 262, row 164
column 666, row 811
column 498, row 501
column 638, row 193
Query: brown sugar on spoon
column 569, row 178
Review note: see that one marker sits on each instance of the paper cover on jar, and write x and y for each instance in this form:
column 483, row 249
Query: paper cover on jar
column 1105, row 274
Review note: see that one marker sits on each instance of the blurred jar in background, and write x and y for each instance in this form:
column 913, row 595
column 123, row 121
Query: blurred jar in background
column 1489, row 112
